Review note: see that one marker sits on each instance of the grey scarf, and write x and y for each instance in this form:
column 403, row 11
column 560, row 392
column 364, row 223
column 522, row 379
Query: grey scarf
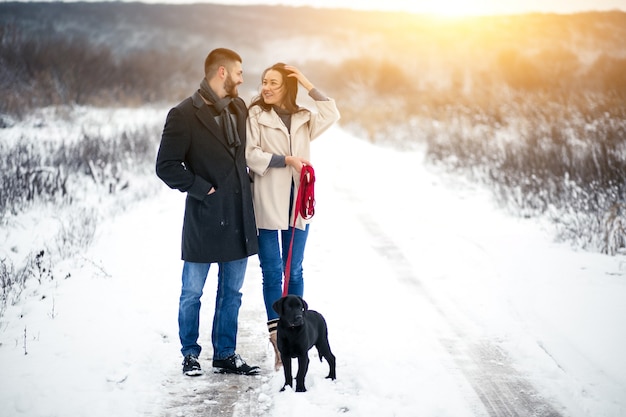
column 221, row 105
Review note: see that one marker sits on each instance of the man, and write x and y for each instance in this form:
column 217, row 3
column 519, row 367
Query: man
column 202, row 153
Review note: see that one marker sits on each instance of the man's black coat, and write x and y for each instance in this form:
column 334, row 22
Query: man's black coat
column 193, row 157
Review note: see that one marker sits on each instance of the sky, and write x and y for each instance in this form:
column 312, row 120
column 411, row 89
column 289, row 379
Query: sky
column 458, row 7
column 437, row 303
column 451, row 8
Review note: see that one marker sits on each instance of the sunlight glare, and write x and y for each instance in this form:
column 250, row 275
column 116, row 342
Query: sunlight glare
column 455, row 8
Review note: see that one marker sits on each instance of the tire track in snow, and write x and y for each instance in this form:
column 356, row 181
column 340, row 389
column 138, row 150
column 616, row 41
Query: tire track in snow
column 503, row 391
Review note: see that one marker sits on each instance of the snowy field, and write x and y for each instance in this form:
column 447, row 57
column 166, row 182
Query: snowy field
column 437, row 305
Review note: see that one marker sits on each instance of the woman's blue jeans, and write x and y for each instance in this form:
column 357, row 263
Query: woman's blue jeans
column 227, row 302
column 273, row 261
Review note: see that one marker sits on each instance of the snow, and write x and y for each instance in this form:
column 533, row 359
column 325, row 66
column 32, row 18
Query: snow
column 72, row 123
column 430, row 293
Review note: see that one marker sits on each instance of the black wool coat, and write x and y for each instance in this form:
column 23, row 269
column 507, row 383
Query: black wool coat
column 193, row 157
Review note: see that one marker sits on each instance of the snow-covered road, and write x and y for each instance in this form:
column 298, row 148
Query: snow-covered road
column 532, row 327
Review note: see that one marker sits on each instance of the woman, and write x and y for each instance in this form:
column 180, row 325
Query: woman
column 279, row 133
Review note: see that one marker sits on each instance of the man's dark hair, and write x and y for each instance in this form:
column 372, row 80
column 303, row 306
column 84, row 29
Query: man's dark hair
column 217, row 58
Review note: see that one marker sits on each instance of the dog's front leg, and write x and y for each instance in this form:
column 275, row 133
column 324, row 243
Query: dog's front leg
column 303, row 367
column 287, row 369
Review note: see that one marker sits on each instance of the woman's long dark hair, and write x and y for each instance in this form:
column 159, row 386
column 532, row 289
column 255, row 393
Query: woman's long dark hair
column 290, row 83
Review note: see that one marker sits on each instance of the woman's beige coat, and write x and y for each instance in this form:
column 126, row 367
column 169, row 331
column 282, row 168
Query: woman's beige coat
column 268, row 135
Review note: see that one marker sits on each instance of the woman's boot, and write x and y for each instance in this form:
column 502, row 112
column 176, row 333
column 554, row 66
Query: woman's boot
column 271, row 326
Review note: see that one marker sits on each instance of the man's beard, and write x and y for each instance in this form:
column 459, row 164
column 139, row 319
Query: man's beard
column 230, row 87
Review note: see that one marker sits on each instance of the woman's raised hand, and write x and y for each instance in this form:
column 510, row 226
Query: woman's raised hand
column 295, row 72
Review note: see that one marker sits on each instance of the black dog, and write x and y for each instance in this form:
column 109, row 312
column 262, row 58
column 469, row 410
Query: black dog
column 299, row 329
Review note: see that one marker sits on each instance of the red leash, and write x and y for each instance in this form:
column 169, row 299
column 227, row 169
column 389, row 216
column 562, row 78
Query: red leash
column 305, row 207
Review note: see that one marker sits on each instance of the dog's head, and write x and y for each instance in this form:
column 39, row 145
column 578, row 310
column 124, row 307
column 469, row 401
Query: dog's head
column 291, row 309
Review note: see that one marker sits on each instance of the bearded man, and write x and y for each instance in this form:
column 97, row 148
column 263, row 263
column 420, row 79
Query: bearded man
column 202, row 153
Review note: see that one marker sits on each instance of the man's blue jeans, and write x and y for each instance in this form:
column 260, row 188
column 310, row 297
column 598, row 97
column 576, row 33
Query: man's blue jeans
column 227, row 303
column 273, row 263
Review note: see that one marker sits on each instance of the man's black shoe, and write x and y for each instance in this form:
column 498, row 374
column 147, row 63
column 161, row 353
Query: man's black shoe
column 234, row 365
column 191, row 366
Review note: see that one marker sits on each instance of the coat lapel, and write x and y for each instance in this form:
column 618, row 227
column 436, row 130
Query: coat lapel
column 208, row 120
column 241, row 114
column 298, row 119
column 272, row 120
